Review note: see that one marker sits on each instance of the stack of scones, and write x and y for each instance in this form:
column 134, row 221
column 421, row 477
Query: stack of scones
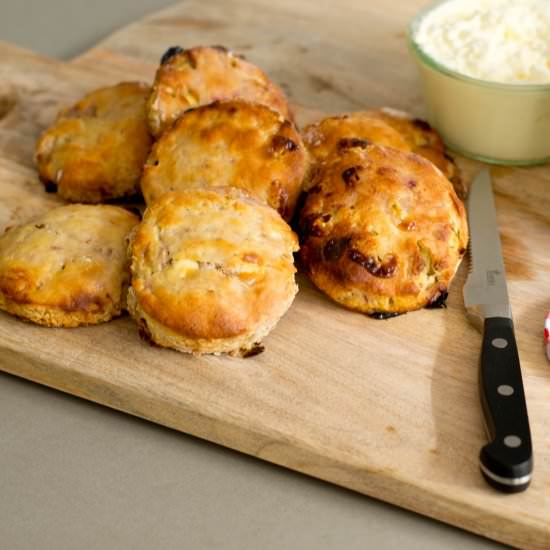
column 223, row 170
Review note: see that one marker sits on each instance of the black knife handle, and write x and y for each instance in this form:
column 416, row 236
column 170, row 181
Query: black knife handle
column 507, row 461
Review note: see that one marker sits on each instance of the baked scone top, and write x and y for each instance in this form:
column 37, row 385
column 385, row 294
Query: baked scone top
column 95, row 150
column 421, row 138
column 332, row 134
column 70, row 265
column 385, row 126
column 198, row 76
column 211, row 265
column 230, row 143
column 382, row 230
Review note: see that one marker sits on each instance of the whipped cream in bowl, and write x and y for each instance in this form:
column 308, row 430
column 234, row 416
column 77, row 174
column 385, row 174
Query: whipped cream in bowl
column 485, row 70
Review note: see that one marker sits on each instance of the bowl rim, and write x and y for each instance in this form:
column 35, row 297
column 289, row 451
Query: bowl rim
column 433, row 64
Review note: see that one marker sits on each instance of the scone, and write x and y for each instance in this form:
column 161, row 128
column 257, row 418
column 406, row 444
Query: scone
column 95, row 150
column 421, row 138
column 382, row 231
column 190, row 78
column 230, row 143
column 385, row 126
column 68, row 267
column 212, row 272
column 335, row 133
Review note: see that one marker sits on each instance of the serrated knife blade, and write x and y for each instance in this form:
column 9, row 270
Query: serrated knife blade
column 506, row 461
column 485, row 291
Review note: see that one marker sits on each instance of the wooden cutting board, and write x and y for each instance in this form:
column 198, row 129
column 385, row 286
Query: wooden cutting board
column 387, row 408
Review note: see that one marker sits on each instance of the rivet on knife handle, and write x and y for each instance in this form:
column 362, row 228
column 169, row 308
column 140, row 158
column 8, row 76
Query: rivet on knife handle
column 506, row 462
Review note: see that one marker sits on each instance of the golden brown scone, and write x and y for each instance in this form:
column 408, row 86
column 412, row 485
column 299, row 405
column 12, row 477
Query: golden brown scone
column 333, row 134
column 190, row 78
column 230, row 143
column 421, row 139
column 212, row 271
column 95, row 150
column 68, row 267
column 384, row 126
column 382, row 230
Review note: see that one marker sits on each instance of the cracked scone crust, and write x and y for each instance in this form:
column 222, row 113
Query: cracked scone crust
column 68, row 267
column 96, row 149
column 212, row 271
column 382, row 230
column 230, row 143
column 385, row 126
column 198, row 76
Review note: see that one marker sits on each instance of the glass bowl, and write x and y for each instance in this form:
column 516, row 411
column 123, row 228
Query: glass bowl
column 489, row 121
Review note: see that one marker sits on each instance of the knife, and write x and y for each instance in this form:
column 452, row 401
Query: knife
column 506, row 461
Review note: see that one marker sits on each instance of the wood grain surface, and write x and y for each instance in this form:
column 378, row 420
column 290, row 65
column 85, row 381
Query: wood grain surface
column 386, row 408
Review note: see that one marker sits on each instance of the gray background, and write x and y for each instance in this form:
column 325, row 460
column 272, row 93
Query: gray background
column 77, row 475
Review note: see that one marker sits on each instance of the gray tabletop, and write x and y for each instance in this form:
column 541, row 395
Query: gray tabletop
column 77, row 475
